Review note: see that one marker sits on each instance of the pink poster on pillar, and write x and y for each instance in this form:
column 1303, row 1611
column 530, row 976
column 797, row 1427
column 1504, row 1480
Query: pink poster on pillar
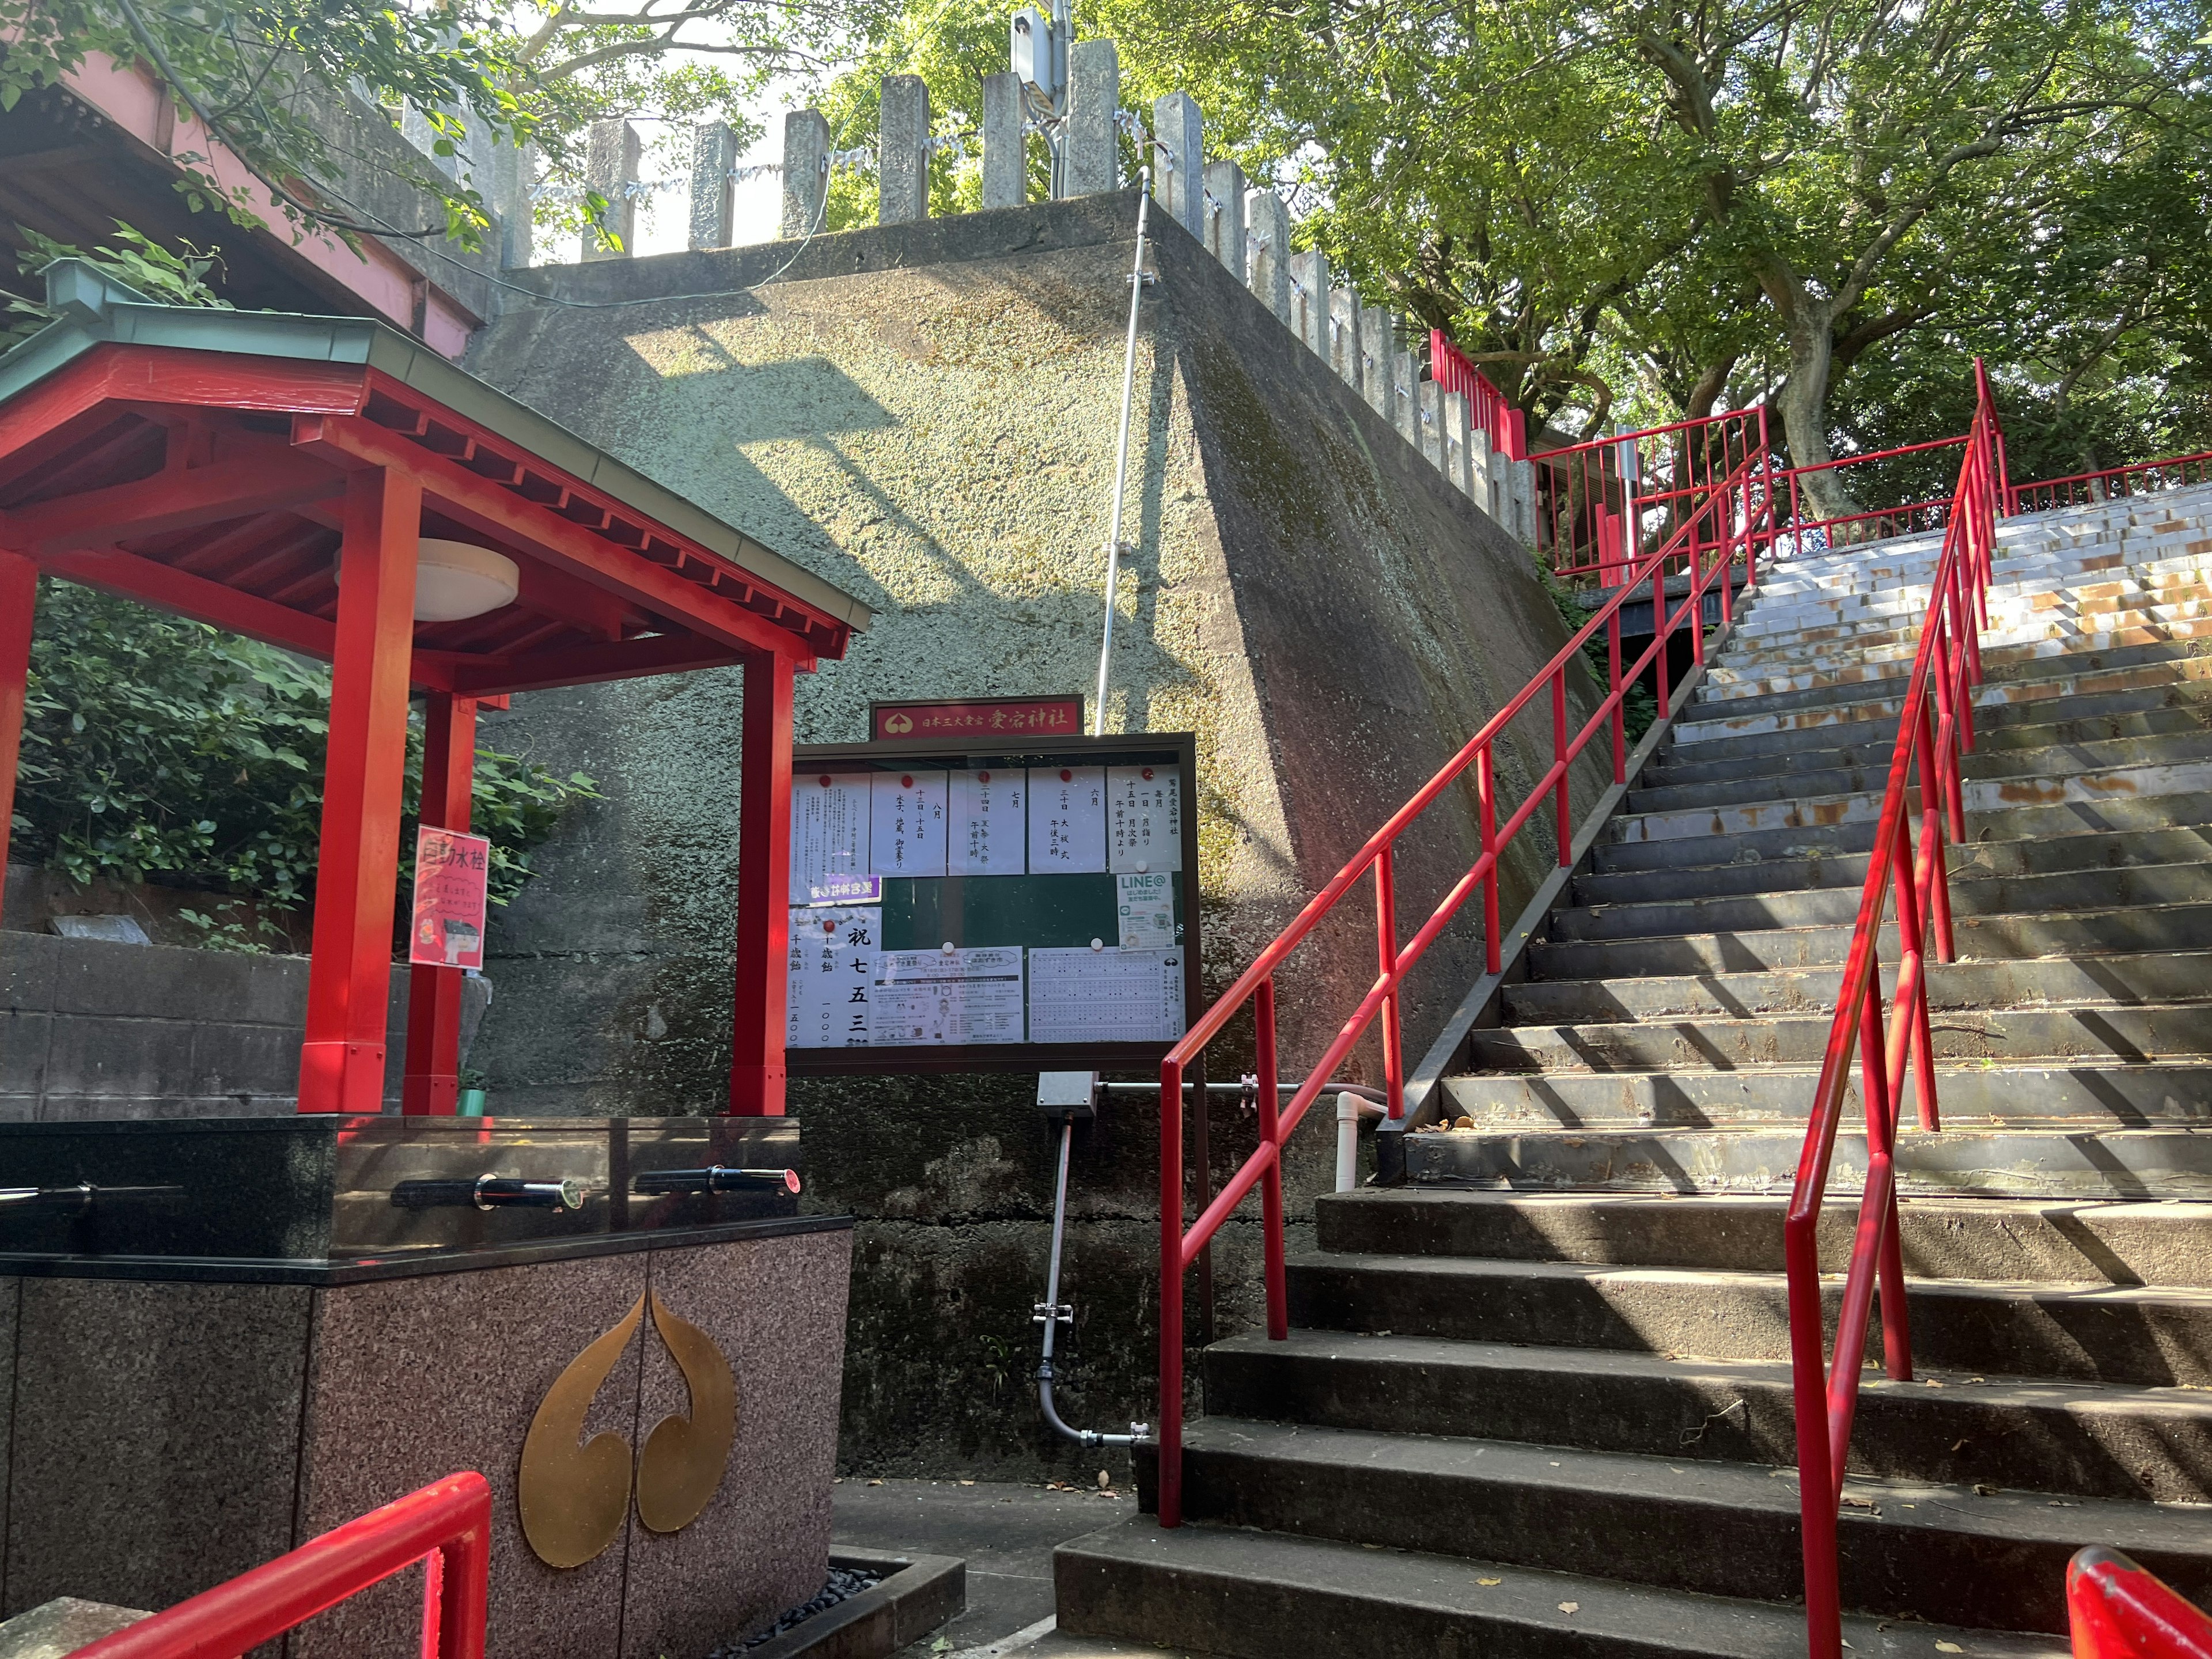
column 451, row 873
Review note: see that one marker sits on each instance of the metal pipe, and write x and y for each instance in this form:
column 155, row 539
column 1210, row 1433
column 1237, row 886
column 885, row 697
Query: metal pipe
column 491, row 1192
column 1122, row 452
column 1050, row 1313
column 716, row 1178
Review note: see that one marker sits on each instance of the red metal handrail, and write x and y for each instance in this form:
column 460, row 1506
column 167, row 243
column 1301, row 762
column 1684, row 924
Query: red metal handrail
column 448, row 1522
column 1730, row 520
column 2086, row 487
column 2117, row 1611
column 1507, row 426
column 1612, row 497
column 1947, row 668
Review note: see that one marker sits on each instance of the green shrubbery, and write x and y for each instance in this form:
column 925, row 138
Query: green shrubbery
column 158, row 749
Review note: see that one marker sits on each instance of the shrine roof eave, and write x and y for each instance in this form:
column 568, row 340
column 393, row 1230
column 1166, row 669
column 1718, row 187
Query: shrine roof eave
column 94, row 310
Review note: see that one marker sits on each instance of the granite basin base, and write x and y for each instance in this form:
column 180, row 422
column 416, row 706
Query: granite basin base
column 176, row 1421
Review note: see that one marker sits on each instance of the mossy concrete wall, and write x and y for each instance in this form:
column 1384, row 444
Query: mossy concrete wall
column 925, row 415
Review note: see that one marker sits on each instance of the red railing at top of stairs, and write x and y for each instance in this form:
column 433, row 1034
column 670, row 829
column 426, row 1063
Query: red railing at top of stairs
column 2117, row 1611
column 1728, row 522
column 1936, row 727
column 1507, row 427
column 447, row 1521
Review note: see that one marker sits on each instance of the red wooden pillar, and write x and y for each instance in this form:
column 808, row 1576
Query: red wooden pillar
column 18, row 601
column 432, row 1086
column 764, row 889
column 341, row 1062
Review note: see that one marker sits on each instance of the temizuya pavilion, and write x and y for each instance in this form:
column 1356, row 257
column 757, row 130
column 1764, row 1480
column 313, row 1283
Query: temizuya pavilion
column 305, row 481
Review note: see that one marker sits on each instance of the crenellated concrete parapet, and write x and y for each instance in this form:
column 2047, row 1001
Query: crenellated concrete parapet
column 1376, row 352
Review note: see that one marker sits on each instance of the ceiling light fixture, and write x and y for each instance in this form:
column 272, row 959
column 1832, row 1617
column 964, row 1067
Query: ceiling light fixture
column 455, row 581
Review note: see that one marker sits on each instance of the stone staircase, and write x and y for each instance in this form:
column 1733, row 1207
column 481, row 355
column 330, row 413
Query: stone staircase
column 1538, row 1401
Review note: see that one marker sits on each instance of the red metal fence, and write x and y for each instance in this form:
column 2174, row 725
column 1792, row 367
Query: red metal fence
column 447, row 1523
column 1507, row 426
column 1935, row 727
column 1603, row 503
column 2117, row 1611
column 1717, row 522
column 2140, row 478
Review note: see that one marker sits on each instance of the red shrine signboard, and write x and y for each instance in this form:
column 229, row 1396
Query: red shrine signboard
column 453, row 873
column 939, row 722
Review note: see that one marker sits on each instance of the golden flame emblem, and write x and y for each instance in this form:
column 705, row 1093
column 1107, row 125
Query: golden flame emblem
column 573, row 1493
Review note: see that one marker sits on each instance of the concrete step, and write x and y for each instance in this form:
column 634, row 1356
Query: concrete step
column 1846, row 706
column 2092, row 1332
column 2028, row 1097
column 1805, row 778
column 1979, row 795
column 2073, row 1438
column 2189, row 712
column 2029, row 677
column 2088, row 850
column 2158, row 977
column 1248, row 1595
column 1977, row 937
column 2013, row 825
column 2006, row 644
column 2122, row 1243
column 2125, row 888
column 2098, row 1167
column 2097, row 1033
column 1941, row 1552
column 2068, row 719
column 2059, row 585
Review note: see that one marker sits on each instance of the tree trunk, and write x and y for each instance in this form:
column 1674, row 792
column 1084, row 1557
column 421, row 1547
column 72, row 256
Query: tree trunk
column 1804, row 403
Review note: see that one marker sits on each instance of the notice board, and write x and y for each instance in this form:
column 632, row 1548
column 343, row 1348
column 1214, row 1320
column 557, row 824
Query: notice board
column 1024, row 903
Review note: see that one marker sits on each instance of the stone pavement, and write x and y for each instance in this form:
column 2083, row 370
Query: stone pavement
column 1006, row 1534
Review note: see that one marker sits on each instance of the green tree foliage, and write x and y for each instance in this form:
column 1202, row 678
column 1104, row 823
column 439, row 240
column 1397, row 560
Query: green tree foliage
column 1651, row 207
column 134, row 259
column 164, row 750
column 262, row 73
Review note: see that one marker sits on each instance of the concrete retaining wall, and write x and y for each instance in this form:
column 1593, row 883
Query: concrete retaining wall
column 92, row 1029
column 924, row 413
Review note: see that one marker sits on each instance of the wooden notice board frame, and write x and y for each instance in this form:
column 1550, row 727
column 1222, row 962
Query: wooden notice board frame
column 1175, row 749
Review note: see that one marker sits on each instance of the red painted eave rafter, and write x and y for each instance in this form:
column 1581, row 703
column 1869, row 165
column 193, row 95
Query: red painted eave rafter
column 166, row 502
column 587, row 664
column 578, row 548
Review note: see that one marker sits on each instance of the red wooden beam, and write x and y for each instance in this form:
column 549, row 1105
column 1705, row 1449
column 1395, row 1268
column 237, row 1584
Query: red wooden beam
column 757, row 1060
column 165, row 586
column 589, row 664
column 341, row 1060
column 19, row 597
column 496, row 511
column 168, row 501
column 431, row 1085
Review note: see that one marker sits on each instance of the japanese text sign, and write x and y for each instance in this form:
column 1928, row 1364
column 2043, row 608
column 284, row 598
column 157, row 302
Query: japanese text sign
column 452, row 871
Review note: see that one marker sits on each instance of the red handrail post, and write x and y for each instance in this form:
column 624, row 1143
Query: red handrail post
column 448, row 1520
column 1485, row 792
column 2115, row 1610
column 1386, row 955
column 1660, row 629
column 1619, row 698
column 1169, row 1432
column 1271, row 1182
column 1565, row 830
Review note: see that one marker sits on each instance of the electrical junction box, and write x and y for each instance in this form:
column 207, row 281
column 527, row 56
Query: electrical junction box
column 1035, row 57
column 1068, row 1094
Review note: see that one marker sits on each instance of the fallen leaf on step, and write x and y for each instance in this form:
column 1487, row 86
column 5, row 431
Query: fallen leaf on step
column 1571, row 1607
column 1948, row 1647
column 1852, row 1501
column 1490, row 1581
